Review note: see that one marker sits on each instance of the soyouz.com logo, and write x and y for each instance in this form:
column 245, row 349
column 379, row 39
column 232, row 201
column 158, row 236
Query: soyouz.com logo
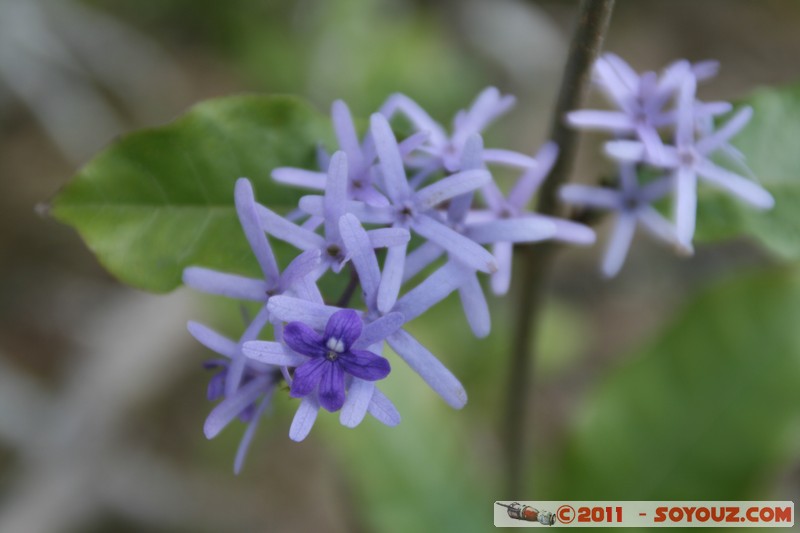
column 644, row 514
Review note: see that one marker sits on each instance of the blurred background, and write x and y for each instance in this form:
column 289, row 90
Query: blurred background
column 642, row 390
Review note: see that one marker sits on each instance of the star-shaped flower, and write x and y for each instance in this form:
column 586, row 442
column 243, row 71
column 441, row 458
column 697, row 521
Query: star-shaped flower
column 690, row 158
column 445, row 150
column 632, row 203
column 360, row 158
column 331, row 355
column 249, row 401
column 642, row 100
column 333, row 205
column 294, row 279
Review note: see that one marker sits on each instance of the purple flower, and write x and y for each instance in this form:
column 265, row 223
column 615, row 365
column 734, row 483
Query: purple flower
column 642, row 100
column 632, row 202
column 250, row 400
column 332, row 356
column 504, row 223
column 360, row 157
column 334, row 204
column 413, row 210
column 294, row 279
column 445, row 151
column 690, row 159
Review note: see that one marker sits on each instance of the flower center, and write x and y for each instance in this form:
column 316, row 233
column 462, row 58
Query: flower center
column 334, row 251
column 687, row 157
column 335, row 348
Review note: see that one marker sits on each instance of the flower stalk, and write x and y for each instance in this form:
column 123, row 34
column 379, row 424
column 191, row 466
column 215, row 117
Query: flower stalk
column 587, row 40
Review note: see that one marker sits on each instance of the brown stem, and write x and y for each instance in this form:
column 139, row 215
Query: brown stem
column 593, row 19
column 344, row 299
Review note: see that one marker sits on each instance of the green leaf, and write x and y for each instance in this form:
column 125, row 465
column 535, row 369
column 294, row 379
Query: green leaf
column 161, row 199
column 770, row 144
column 708, row 411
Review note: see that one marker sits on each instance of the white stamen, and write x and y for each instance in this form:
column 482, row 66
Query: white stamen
column 335, row 344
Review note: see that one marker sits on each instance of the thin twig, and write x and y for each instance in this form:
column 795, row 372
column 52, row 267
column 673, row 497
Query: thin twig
column 344, row 299
column 593, row 19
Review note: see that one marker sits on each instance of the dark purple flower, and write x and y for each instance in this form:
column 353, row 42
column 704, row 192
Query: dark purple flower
column 332, row 356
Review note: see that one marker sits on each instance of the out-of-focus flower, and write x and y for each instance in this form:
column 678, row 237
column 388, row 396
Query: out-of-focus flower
column 633, row 206
column 252, row 397
column 690, row 158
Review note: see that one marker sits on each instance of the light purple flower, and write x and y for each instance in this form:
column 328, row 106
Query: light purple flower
column 332, row 356
column 486, row 230
column 632, row 203
column 295, row 278
column 690, row 158
column 506, row 222
column 413, row 210
column 445, row 151
column 251, row 398
column 333, row 205
column 642, row 99
column 360, row 158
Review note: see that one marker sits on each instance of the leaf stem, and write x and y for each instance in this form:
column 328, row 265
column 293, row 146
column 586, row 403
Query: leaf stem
column 587, row 40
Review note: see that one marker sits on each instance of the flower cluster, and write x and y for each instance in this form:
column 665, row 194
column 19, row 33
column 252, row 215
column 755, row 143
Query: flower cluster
column 649, row 105
column 374, row 193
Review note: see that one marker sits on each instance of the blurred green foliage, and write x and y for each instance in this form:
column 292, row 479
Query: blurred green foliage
column 161, row 199
column 708, row 411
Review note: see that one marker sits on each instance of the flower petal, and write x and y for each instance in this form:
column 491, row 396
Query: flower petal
column 626, row 151
column 452, row 186
column 359, row 396
column 590, row 196
column 223, row 284
column 424, row 363
column 345, row 326
column 335, row 198
column 366, row 213
column 433, row 290
column 304, row 418
column 377, row 330
column 304, row 340
column 748, row 191
column 685, row 204
column 364, row 364
column 300, row 267
column 238, row 361
column 308, row 375
column 508, row 158
column 346, row 133
column 571, row 232
column 526, row 229
column 414, row 113
column 475, row 307
column 246, row 209
column 290, row 309
column 331, row 388
column 501, row 280
column 459, row 246
column 590, row 119
column 272, row 353
column 394, row 176
column 244, row 444
column 383, row 409
column 617, row 250
column 360, row 250
column 282, row 229
column 212, row 340
column 229, row 408
column 724, row 133
column 298, row 177
column 388, row 237
column 391, row 278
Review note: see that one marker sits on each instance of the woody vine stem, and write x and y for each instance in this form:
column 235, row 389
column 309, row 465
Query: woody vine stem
column 587, row 40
